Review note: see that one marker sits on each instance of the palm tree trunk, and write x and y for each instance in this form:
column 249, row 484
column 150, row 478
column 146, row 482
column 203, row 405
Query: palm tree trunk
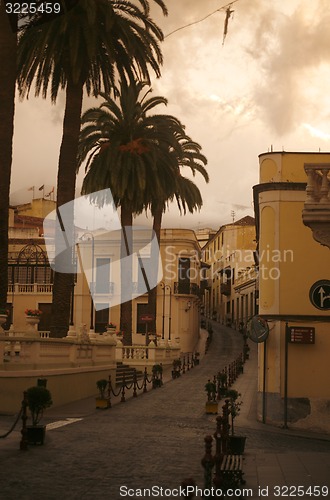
column 7, row 108
column 66, row 185
column 126, row 274
column 152, row 294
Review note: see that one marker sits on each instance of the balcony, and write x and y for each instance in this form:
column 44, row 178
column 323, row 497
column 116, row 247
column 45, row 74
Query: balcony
column 186, row 288
column 34, row 288
column 316, row 212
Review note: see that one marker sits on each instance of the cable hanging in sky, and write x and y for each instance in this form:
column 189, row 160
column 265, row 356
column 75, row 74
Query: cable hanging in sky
column 228, row 10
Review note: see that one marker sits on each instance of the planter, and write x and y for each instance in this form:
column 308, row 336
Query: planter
column 3, row 319
column 211, row 407
column 236, row 444
column 31, row 322
column 35, row 434
column 157, row 382
column 102, row 403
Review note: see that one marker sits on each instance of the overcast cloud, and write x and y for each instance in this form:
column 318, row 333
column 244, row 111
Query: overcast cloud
column 266, row 85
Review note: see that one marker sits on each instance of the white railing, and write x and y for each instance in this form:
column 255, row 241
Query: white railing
column 30, row 288
column 147, row 355
column 20, row 352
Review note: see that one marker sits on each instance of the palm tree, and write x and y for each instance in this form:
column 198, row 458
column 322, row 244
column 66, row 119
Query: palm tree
column 187, row 195
column 7, row 108
column 84, row 49
column 126, row 149
column 138, row 156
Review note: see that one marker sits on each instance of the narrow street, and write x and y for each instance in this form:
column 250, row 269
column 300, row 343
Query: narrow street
column 154, row 439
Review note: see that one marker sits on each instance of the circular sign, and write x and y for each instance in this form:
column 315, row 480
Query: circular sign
column 319, row 295
column 257, row 329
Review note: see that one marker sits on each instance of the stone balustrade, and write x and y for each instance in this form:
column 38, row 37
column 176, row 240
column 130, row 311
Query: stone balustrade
column 147, row 355
column 24, row 353
column 316, row 212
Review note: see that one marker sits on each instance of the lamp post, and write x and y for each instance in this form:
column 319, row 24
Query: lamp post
column 91, row 237
column 165, row 287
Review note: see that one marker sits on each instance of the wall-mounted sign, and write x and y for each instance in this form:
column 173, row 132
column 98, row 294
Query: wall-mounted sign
column 319, row 295
column 301, row 335
column 146, row 318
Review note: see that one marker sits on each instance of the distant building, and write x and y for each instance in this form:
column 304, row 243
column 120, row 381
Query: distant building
column 203, row 235
column 230, row 295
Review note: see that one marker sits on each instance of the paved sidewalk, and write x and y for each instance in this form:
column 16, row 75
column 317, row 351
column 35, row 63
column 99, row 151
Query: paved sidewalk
column 157, row 439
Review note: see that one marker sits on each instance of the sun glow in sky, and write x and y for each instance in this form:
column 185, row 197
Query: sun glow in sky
column 267, row 85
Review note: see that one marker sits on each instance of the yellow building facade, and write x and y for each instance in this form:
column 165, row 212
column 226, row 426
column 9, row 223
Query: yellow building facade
column 231, row 293
column 293, row 387
column 178, row 291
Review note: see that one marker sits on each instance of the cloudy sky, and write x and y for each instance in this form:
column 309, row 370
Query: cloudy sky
column 265, row 86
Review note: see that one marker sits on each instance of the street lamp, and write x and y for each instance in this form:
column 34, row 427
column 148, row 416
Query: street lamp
column 164, row 288
column 90, row 237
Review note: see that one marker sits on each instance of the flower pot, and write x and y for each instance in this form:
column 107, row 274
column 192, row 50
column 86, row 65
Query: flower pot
column 211, row 407
column 236, row 444
column 31, row 322
column 102, row 403
column 35, row 434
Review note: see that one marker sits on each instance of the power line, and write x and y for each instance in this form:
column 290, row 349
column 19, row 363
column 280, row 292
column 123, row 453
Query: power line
column 224, row 7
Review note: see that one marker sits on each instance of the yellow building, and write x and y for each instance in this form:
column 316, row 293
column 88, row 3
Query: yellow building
column 231, row 295
column 294, row 297
column 178, row 293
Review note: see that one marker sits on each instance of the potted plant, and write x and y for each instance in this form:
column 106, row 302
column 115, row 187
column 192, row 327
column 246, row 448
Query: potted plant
column 196, row 358
column 157, row 376
column 211, row 405
column 101, row 402
column 38, row 399
column 32, row 318
column 176, row 372
column 111, row 328
column 3, row 318
column 222, row 384
column 236, row 443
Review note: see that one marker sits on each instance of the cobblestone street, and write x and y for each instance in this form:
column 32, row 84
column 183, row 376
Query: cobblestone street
column 157, row 439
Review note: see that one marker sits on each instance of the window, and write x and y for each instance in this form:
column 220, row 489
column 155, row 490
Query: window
column 184, row 275
column 140, row 311
column 102, row 279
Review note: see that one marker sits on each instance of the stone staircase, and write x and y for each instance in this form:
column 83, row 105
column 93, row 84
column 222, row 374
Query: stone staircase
column 126, row 371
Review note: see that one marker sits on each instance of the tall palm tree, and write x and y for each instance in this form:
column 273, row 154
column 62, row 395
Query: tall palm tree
column 139, row 156
column 84, row 49
column 186, row 194
column 126, row 148
column 7, row 108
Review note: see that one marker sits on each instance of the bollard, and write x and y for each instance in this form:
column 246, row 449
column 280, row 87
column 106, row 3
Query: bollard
column 134, row 383
column 24, row 442
column 109, row 391
column 208, row 462
column 122, row 400
column 145, row 377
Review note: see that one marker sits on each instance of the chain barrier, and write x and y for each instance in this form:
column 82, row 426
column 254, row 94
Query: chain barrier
column 13, row 426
